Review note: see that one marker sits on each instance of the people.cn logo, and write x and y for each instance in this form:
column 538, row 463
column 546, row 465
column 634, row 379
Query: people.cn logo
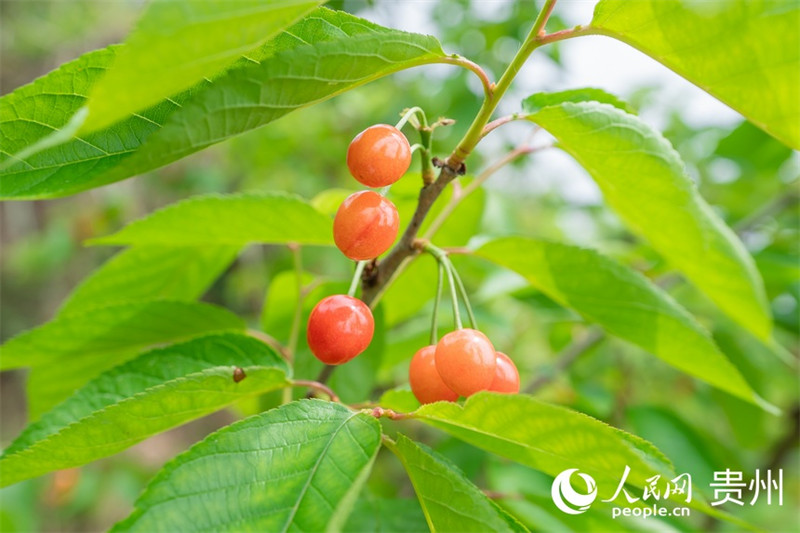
column 568, row 499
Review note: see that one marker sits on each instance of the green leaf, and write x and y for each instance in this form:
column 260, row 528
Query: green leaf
column 548, row 438
column 449, row 500
column 400, row 399
column 386, row 515
column 624, row 302
column 177, row 44
column 68, row 351
column 151, row 273
column 744, row 52
column 236, row 219
column 156, row 391
column 644, row 180
column 537, row 101
column 295, row 468
column 324, row 54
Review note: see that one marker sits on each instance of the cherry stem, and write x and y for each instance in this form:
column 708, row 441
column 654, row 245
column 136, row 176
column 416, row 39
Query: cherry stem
column 270, row 341
column 294, row 332
column 417, row 146
column 354, row 283
column 463, row 291
column 441, row 257
column 408, row 113
column 426, row 165
column 435, row 314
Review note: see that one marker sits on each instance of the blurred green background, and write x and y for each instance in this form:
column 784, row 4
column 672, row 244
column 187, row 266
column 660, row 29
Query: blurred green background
column 748, row 177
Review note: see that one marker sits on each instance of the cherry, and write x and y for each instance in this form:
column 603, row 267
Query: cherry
column 365, row 225
column 426, row 384
column 379, row 156
column 506, row 376
column 466, row 361
column 339, row 328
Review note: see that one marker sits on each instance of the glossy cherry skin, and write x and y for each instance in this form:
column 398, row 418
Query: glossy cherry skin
column 466, row 361
column 426, row 384
column 365, row 225
column 379, row 156
column 339, row 328
column 506, row 376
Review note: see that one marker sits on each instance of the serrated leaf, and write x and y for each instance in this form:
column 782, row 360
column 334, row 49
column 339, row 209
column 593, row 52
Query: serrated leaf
column 295, row 468
column 156, row 391
column 177, row 44
column 235, row 219
column 449, row 500
column 548, row 438
column 644, row 180
column 150, row 273
column 68, row 351
column 744, row 52
column 624, row 302
column 326, row 53
column 537, row 101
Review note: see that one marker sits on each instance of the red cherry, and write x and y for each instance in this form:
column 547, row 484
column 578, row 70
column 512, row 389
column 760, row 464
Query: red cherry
column 466, row 361
column 365, row 225
column 506, row 376
column 426, row 384
column 379, row 156
column 339, row 328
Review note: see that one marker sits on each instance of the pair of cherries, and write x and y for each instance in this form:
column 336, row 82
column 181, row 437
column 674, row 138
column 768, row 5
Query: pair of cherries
column 340, row 327
column 462, row 363
column 366, row 223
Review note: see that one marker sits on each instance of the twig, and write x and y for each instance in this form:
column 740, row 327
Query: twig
column 488, row 86
column 316, row 386
column 575, row 349
column 271, row 341
column 474, row 185
column 294, row 332
column 567, row 356
column 785, row 445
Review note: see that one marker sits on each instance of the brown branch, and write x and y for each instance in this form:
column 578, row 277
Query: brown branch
column 375, row 279
column 784, row 447
column 316, row 386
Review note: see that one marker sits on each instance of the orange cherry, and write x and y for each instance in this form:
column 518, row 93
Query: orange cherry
column 379, row 156
column 426, row 384
column 506, row 376
column 466, row 361
column 365, row 225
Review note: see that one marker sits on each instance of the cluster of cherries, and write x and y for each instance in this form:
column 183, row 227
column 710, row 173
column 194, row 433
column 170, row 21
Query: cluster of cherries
column 462, row 363
column 340, row 327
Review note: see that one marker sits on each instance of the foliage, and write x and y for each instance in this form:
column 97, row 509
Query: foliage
column 132, row 353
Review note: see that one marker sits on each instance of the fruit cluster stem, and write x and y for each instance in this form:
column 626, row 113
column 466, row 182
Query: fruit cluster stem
column 436, row 302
